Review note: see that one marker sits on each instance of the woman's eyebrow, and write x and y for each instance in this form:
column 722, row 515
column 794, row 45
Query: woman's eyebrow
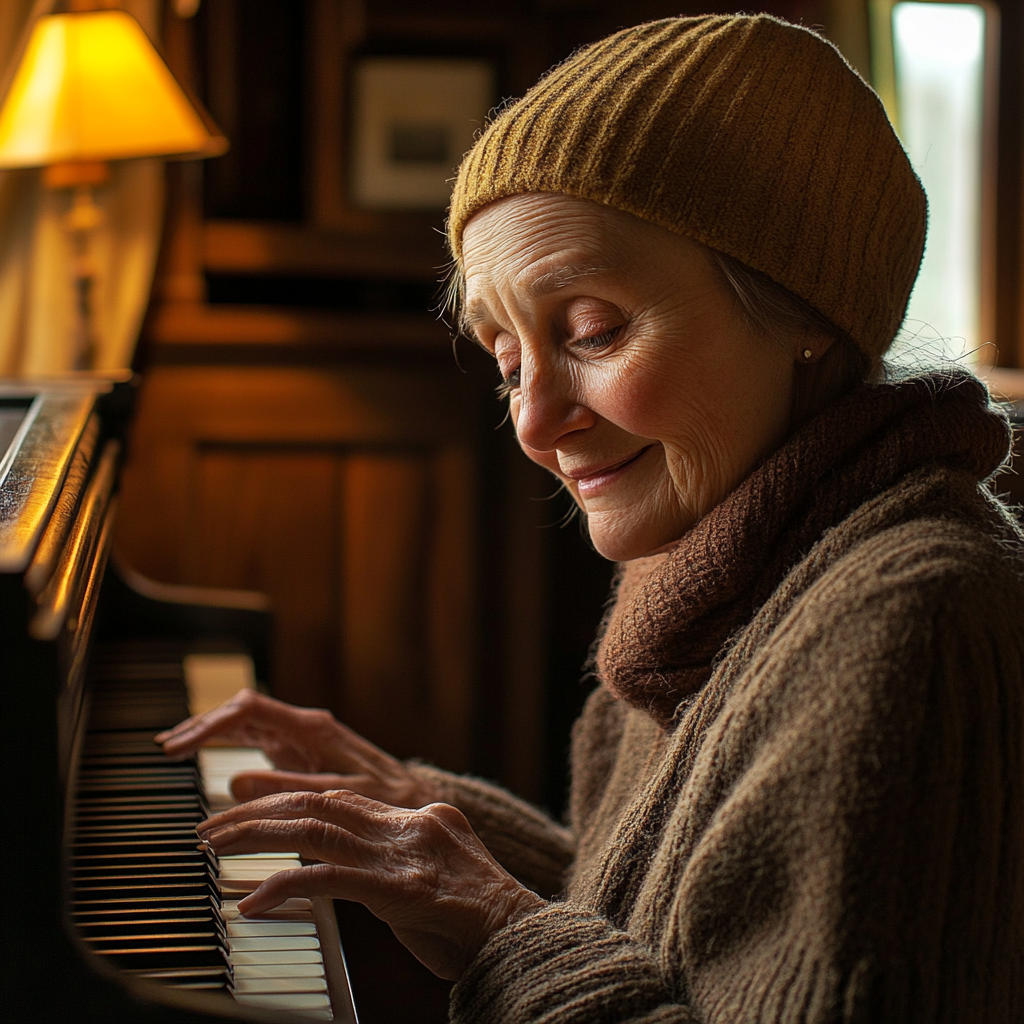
column 565, row 275
column 471, row 317
column 475, row 313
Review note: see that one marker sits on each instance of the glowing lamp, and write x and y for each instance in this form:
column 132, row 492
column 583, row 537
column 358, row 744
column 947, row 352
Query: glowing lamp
column 91, row 88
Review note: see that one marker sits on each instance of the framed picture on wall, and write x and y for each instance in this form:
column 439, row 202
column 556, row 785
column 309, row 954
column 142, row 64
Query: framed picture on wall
column 413, row 118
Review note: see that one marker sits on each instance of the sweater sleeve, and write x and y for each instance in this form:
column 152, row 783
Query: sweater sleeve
column 845, row 842
column 525, row 841
column 568, row 966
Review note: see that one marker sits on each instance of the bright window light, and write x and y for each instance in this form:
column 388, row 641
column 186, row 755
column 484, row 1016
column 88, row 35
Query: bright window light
column 939, row 55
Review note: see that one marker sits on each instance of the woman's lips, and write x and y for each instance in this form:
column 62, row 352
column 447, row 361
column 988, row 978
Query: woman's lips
column 589, row 482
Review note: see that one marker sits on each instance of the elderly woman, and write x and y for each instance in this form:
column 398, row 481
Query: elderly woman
column 798, row 791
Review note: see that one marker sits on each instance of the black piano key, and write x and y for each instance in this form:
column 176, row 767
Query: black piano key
column 144, row 892
column 138, row 955
column 150, row 926
column 81, row 907
column 188, row 977
column 123, row 890
column 124, row 919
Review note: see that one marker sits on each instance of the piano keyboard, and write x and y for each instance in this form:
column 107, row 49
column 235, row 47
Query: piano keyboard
column 145, row 895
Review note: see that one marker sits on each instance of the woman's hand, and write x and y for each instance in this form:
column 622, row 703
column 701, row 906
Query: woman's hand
column 424, row 872
column 315, row 751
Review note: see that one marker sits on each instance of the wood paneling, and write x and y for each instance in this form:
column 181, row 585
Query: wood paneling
column 348, row 495
column 270, row 519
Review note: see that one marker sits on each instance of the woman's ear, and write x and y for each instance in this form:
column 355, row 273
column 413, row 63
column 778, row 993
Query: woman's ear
column 812, row 347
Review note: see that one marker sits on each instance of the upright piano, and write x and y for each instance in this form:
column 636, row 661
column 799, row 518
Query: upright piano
column 112, row 912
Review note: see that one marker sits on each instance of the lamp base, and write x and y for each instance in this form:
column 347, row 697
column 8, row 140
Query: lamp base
column 74, row 173
column 81, row 221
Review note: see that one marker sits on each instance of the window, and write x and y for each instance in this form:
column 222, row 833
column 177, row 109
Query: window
column 939, row 55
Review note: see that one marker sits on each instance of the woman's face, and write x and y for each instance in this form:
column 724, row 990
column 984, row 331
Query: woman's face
column 632, row 375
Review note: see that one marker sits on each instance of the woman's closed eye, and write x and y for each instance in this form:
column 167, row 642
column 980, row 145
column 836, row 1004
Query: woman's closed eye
column 508, row 384
column 593, row 342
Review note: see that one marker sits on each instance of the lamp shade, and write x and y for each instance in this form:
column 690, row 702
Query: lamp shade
column 91, row 86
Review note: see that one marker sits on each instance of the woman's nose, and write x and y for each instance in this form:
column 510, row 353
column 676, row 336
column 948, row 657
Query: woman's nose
column 548, row 407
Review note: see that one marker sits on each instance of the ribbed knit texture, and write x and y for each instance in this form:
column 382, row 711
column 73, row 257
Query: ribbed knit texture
column 748, row 134
column 832, row 828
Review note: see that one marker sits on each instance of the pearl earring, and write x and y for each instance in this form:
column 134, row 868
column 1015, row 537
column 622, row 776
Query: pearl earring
column 807, row 355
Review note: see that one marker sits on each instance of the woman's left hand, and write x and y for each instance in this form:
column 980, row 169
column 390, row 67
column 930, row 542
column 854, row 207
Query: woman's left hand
column 425, row 872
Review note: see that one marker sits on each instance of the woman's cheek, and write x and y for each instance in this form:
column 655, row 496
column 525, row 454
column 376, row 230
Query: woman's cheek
column 634, row 397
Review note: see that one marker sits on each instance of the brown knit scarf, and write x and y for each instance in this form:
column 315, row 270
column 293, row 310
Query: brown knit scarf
column 674, row 613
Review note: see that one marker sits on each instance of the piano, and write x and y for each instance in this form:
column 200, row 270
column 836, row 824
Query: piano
column 113, row 912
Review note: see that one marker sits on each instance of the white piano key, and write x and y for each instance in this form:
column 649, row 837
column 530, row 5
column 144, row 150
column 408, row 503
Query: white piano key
column 242, row 929
column 236, row 857
column 238, row 887
column 276, row 956
column 211, row 679
column 294, row 915
column 297, row 1001
column 230, row 872
column 278, row 970
column 294, row 903
column 252, row 985
column 219, row 765
column 270, row 942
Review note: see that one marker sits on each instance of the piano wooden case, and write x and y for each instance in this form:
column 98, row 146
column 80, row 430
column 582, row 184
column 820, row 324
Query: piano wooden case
column 60, row 604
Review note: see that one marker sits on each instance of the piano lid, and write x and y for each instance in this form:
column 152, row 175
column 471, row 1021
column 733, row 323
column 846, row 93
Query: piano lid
column 47, row 418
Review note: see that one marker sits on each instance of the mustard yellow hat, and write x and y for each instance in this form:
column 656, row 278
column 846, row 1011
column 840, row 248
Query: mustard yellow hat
column 746, row 133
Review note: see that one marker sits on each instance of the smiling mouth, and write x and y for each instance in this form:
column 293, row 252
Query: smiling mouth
column 592, row 477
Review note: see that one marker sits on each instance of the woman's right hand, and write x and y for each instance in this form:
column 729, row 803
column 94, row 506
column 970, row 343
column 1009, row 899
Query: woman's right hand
column 311, row 749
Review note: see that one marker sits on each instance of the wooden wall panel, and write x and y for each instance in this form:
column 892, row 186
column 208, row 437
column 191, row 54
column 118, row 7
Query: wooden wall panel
column 267, row 520
column 382, row 626
column 349, row 497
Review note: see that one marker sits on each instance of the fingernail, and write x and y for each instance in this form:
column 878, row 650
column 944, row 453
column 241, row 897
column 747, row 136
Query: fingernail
column 218, row 835
column 250, row 907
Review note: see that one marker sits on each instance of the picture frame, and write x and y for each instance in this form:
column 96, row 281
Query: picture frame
column 413, row 119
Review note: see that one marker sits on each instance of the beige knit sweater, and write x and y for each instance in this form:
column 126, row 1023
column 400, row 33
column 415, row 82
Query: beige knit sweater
column 806, row 801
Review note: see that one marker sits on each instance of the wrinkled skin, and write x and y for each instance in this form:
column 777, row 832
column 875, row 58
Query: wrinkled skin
column 340, row 800
column 632, row 375
column 311, row 749
column 423, row 871
column 634, row 379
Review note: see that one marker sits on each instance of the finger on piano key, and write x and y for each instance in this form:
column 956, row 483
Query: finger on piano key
column 303, row 916
column 219, row 765
column 295, row 909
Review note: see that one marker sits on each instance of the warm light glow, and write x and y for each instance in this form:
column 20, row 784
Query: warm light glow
column 939, row 53
column 92, row 87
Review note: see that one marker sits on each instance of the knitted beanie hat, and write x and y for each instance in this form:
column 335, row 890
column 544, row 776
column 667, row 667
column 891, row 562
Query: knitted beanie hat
column 745, row 133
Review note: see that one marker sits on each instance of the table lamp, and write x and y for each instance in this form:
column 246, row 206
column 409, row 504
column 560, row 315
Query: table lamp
column 91, row 88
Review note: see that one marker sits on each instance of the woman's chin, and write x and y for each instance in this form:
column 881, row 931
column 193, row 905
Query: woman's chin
column 623, row 545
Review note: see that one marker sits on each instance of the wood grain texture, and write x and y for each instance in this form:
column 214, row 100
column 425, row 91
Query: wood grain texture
column 348, row 496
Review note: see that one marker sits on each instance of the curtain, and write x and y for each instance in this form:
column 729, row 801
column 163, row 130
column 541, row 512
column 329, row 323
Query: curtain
column 37, row 297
